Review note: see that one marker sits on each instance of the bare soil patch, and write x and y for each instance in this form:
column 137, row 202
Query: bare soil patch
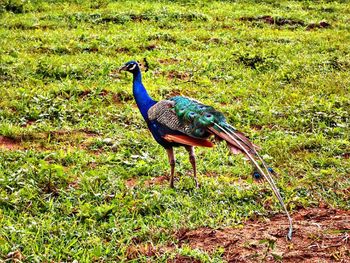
column 282, row 21
column 279, row 21
column 85, row 133
column 130, row 183
column 321, row 24
column 346, row 155
column 8, row 143
column 168, row 61
column 85, row 93
column 149, row 47
column 320, row 235
column 157, row 180
column 36, row 140
column 173, row 74
column 122, row 50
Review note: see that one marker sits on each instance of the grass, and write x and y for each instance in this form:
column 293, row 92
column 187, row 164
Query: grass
column 277, row 73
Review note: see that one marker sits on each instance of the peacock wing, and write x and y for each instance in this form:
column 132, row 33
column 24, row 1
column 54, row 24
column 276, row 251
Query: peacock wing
column 163, row 112
column 197, row 120
column 203, row 120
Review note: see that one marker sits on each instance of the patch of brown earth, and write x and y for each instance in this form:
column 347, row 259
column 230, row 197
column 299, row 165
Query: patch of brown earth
column 85, row 133
column 117, row 97
column 149, row 47
column 84, row 93
column 91, row 49
column 130, row 183
column 320, row 235
column 157, row 180
column 77, row 137
column 168, row 61
column 256, row 127
column 173, row 74
column 346, row 155
column 279, row 21
column 74, row 184
column 122, row 50
column 9, row 143
column 15, row 256
column 322, row 24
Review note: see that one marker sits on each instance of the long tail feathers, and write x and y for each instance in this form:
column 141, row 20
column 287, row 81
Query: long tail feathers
column 237, row 142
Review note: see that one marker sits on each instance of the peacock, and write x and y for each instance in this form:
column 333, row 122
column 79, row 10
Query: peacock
column 182, row 121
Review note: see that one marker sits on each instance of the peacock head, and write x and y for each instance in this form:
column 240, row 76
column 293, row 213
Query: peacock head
column 130, row 66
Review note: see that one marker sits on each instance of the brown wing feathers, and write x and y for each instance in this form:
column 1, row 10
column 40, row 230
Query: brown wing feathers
column 187, row 140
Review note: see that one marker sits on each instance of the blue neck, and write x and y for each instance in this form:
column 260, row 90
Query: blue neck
column 143, row 100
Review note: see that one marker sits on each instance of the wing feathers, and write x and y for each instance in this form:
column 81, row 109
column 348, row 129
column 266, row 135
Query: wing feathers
column 187, row 140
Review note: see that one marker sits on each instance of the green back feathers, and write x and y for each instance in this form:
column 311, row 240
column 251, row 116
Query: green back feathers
column 197, row 115
column 188, row 116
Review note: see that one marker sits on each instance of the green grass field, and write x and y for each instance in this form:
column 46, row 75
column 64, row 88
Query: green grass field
column 79, row 171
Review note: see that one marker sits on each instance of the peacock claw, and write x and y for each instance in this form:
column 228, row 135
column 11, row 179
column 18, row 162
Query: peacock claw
column 197, row 184
column 271, row 170
column 257, row 176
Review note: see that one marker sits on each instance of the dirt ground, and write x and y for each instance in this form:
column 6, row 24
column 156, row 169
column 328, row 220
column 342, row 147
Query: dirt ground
column 320, row 235
column 8, row 143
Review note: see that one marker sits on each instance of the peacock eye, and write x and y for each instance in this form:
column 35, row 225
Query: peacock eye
column 208, row 115
column 131, row 66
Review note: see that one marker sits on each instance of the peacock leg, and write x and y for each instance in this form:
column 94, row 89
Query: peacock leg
column 192, row 158
column 171, row 158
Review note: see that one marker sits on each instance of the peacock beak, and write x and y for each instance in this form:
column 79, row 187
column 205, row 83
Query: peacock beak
column 124, row 67
column 115, row 73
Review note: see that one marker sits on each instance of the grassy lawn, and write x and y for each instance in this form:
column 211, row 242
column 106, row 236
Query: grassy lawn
column 81, row 178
